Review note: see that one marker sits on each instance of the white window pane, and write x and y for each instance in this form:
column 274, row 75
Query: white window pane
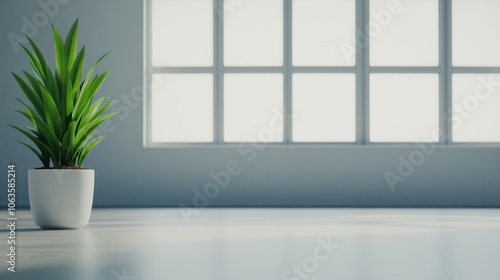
column 253, row 108
column 324, row 108
column 253, row 34
column 182, row 108
column 404, row 107
column 182, row 33
column 476, row 108
column 404, row 33
column 324, row 32
column 476, row 39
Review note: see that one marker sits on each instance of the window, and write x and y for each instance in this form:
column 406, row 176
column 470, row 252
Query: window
column 475, row 86
column 290, row 72
column 403, row 113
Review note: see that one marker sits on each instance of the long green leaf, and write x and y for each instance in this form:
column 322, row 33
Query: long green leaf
column 88, row 93
column 41, row 145
column 28, row 115
column 88, row 78
column 51, row 140
column 93, row 109
column 71, row 44
column 36, row 152
column 76, row 71
column 88, row 148
column 87, row 131
column 67, row 142
column 52, row 113
column 60, row 52
column 39, row 56
column 34, row 63
column 48, row 78
column 33, row 97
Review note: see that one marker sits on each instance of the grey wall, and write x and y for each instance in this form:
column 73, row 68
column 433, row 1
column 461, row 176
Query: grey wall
column 127, row 174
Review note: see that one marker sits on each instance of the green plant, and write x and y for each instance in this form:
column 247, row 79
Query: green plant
column 63, row 112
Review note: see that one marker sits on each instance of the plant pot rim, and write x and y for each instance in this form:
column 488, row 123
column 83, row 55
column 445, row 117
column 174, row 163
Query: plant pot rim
column 61, row 169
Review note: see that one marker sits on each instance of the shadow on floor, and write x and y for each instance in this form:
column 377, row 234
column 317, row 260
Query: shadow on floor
column 22, row 229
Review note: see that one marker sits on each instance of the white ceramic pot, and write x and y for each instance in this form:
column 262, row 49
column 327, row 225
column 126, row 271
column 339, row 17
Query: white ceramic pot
column 61, row 198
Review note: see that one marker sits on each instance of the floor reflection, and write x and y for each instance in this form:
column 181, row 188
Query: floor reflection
column 266, row 244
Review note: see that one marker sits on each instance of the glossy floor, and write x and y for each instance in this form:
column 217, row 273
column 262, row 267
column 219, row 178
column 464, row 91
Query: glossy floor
column 239, row 244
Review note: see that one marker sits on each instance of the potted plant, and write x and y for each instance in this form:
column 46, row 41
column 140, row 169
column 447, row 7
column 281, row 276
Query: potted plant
column 64, row 117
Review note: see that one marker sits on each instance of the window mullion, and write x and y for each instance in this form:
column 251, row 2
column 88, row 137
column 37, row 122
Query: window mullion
column 445, row 70
column 218, row 71
column 363, row 71
column 287, row 69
